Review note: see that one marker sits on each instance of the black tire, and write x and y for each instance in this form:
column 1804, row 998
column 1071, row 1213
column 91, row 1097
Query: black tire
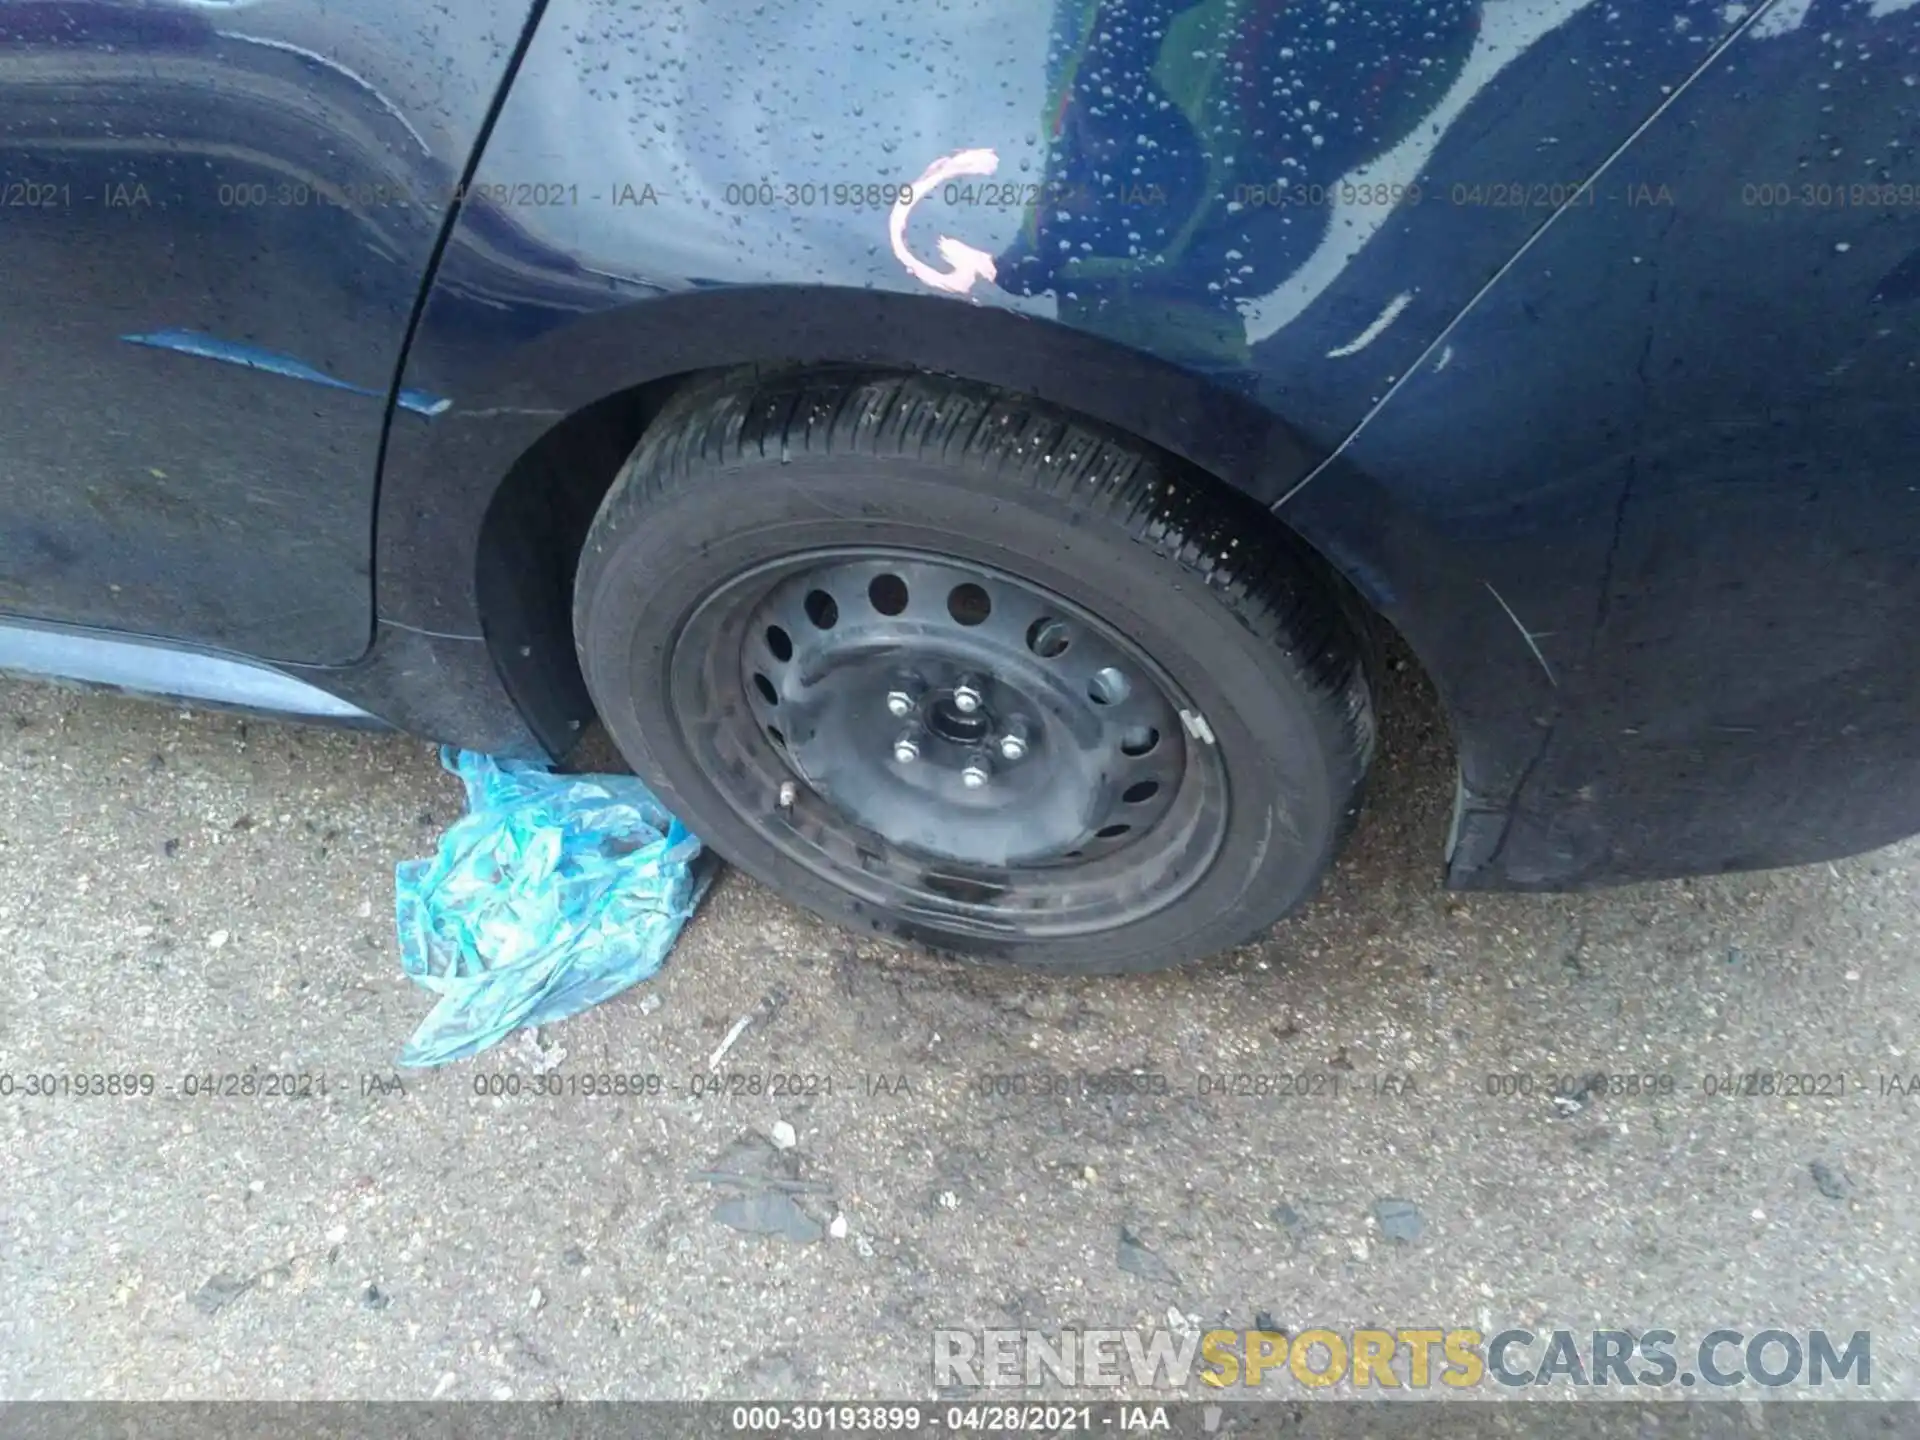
column 1243, row 627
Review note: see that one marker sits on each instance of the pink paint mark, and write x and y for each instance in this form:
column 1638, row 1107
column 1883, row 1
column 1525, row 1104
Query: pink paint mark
column 969, row 264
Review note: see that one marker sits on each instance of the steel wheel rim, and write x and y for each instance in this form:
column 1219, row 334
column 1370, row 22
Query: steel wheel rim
column 786, row 683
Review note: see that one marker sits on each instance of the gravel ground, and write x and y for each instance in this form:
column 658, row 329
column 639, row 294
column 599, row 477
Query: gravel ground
column 194, row 894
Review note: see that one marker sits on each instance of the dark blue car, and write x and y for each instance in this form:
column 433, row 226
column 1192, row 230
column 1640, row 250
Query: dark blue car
column 969, row 455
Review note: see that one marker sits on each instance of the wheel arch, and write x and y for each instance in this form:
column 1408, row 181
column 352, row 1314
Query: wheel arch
column 484, row 510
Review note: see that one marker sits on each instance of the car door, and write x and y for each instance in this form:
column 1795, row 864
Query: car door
column 215, row 218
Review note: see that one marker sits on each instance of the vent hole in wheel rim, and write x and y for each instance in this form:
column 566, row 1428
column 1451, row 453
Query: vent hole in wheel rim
column 773, row 734
column 1108, row 687
column 821, row 609
column 1141, row 791
column 969, row 604
column 1139, row 741
column 780, row 643
column 1111, row 832
column 765, row 687
column 888, row 594
column 1048, row 638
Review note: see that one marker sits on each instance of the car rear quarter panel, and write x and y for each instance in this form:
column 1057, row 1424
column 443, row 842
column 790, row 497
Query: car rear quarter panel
column 1505, row 405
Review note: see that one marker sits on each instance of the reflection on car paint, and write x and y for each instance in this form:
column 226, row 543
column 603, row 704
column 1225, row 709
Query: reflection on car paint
column 1502, row 32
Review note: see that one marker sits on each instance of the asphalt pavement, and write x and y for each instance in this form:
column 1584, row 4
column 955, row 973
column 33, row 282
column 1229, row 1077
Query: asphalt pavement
column 1381, row 1115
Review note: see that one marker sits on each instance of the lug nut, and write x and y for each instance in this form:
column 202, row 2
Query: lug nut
column 903, row 695
column 906, row 749
column 1013, row 744
column 966, row 696
column 977, row 773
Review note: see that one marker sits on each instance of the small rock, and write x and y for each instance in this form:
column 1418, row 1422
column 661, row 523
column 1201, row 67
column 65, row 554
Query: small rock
column 536, row 1299
column 544, row 1059
column 838, row 1228
column 336, row 1234
column 1831, row 1182
column 1399, row 1220
column 503, row 1392
column 863, row 1246
column 374, row 1298
column 949, row 1200
column 217, row 939
column 782, row 1135
column 1264, row 1322
column 220, row 1291
column 442, row 1385
column 649, row 1004
column 1136, row 1259
column 366, row 909
column 254, row 1187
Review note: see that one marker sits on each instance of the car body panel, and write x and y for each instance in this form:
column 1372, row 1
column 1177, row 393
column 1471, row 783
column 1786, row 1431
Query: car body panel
column 1690, row 505
column 676, row 172
column 217, row 221
column 1617, row 441
column 630, row 242
column 1546, row 151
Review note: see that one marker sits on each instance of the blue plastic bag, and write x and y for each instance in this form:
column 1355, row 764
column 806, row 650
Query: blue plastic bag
column 553, row 893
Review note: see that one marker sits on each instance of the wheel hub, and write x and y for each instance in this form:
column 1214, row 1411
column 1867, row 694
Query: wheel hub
column 950, row 722
column 967, row 720
column 967, row 744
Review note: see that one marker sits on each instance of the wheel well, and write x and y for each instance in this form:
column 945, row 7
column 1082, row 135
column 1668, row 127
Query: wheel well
column 537, row 522
column 529, row 549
